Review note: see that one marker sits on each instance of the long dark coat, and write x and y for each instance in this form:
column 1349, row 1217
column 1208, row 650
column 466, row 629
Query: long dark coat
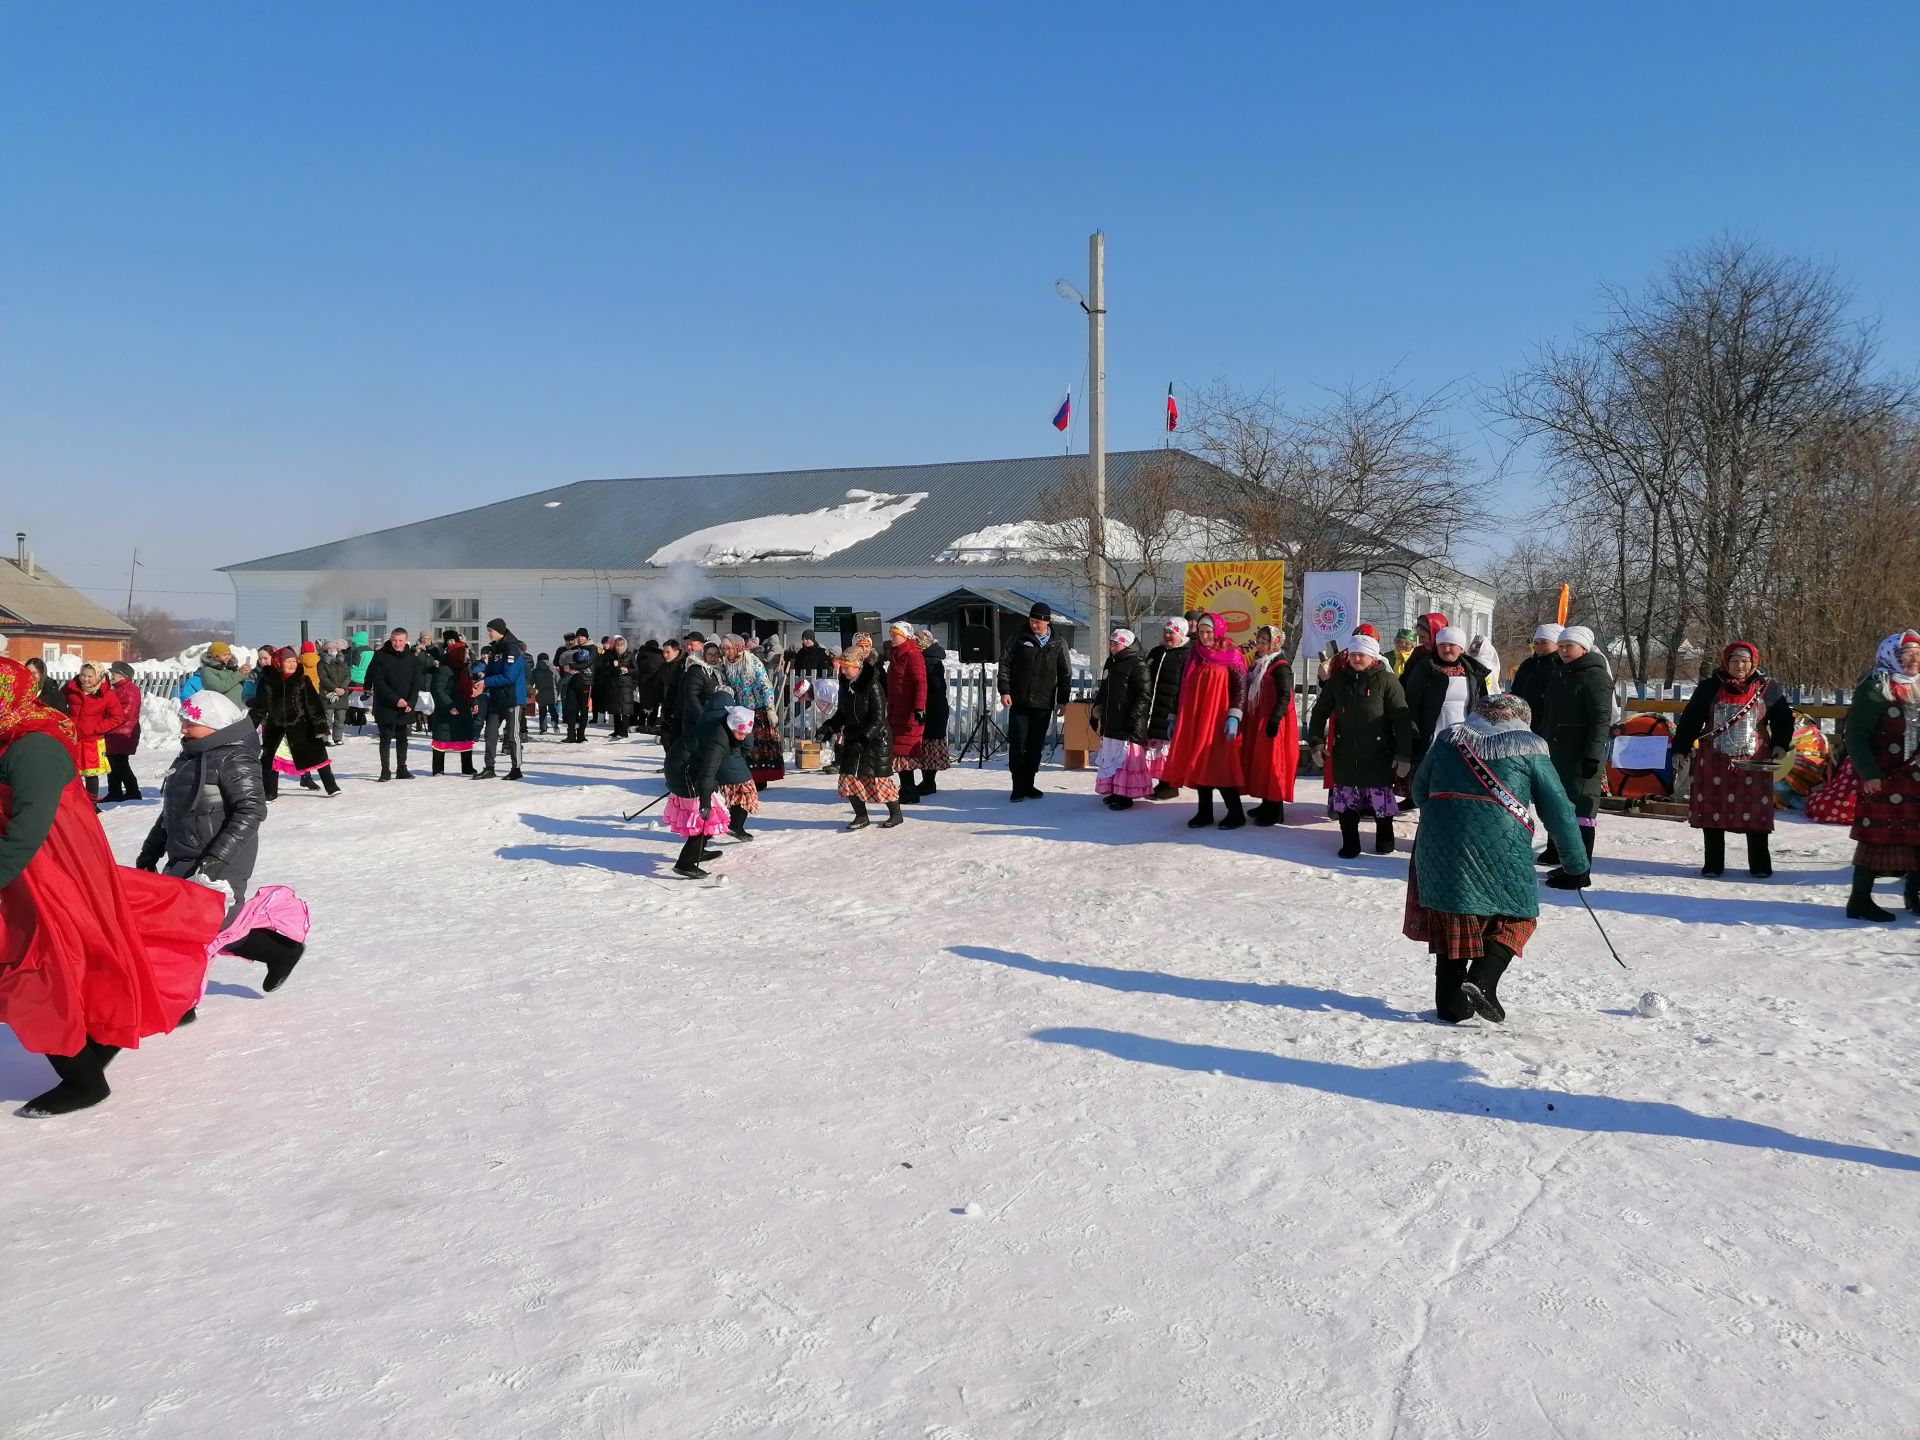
column 1372, row 727
column 863, row 745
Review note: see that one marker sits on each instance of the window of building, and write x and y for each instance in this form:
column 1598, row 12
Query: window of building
column 460, row 613
column 367, row 615
column 49, row 653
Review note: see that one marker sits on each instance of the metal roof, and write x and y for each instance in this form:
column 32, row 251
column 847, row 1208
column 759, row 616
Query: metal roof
column 759, row 607
column 942, row 607
column 41, row 602
column 615, row 525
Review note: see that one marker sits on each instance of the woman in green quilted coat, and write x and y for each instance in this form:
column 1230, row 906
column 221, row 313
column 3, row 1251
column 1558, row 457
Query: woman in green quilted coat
column 1471, row 895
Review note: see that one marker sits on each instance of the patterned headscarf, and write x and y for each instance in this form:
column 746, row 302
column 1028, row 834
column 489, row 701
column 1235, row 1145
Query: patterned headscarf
column 21, row 712
column 1887, row 658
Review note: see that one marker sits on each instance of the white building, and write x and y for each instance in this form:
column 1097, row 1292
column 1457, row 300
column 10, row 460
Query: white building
column 951, row 546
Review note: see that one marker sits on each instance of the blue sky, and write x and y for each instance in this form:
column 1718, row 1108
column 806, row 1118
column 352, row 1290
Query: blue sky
column 278, row 273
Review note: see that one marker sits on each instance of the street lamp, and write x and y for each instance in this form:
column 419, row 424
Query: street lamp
column 1096, row 309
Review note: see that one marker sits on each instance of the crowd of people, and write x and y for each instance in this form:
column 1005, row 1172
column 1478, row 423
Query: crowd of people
column 95, row 957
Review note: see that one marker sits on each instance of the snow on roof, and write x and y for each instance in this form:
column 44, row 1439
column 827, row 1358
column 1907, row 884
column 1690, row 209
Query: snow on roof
column 810, row 536
column 1182, row 537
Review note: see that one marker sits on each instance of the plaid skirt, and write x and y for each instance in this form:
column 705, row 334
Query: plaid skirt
column 1887, row 857
column 873, row 792
column 932, row 755
column 746, row 796
column 1460, row 937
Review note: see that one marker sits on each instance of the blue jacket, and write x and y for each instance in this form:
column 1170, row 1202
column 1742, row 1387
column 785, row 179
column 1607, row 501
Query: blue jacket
column 506, row 681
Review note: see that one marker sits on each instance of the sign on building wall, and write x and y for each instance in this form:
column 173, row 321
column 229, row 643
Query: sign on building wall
column 1245, row 593
column 1332, row 601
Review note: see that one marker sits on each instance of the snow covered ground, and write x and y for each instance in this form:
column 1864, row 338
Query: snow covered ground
column 1020, row 1121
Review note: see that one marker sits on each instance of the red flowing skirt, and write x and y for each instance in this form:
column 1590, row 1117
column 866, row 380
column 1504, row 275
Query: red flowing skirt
column 1269, row 763
column 1201, row 754
column 90, row 950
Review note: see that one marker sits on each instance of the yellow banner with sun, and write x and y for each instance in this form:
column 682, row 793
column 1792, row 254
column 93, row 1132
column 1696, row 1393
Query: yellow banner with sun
column 1245, row 593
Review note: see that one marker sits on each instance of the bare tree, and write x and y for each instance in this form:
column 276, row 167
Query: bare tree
column 157, row 635
column 1371, row 480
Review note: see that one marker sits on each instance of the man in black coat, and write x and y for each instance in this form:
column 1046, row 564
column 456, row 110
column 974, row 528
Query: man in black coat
column 647, row 663
column 1533, row 675
column 1034, row 679
column 810, row 659
column 393, row 680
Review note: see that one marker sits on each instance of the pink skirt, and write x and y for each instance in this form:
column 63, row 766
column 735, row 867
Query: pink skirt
column 683, row 817
column 1125, row 769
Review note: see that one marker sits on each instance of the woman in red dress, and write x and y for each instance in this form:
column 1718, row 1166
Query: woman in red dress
column 1743, row 723
column 93, row 958
column 1270, row 750
column 1206, row 735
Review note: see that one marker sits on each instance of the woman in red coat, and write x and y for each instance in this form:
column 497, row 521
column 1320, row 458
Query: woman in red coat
column 95, row 710
column 1206, row 735
column 93, row 958
column 1270, row 749
column 124, row 741
column 906, row 705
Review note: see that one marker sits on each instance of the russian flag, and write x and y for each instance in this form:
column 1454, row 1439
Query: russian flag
column 1064, row 415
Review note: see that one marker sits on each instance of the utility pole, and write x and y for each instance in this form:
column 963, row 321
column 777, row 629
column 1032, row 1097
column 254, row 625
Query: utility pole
column 1097, row 437
column 130, row 569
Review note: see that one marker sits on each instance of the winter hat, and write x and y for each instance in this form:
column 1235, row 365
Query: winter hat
column 739, row 719
column 1364, row 645
column 497, row 625
column 1753, row 651
column 1577, row 635
column 1365, row 627
column 125, row 671
column 1177, row 624
column 307, row 647
column 211, row 709
column 1040, row 612
column 219, row 650
column 1450, row 635
column 1123, row 637
column 284, row 654
column 1548, row 632
column 1406, row 634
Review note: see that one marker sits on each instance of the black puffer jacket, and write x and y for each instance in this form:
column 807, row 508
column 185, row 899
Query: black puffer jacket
column 707, row 756
column 1530, row 682
column 1166, row 669
column 1035, row 676
column 692, row 686
column 392, row 676
column 289, row 704
column 1123, row 704
column 862, row 745
column 211, row 804
column 939, row 710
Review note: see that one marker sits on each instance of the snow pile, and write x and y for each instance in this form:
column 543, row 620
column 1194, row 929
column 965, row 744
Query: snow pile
column 159, row 724
column 812, row 536
column 1181, row 537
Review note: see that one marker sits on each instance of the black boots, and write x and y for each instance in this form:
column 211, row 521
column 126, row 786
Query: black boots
column 1269, row 812
column 1588, row 833
column 1912, row 892
column 1164, row 791
column 894, row 817
column 687, row 867
column 737, row 822
column 1202, row 817
column 909, row 793
column 1117, row 802
column 1759, row 862
column 83, row 1082
column 1448, row 1003
column 1860, row 904
column 1236, row 817
column 1383, row 837
column 1349, row 835
column 928, row 785
column 1481, row 987
column 1716, row 862
column 860, row 821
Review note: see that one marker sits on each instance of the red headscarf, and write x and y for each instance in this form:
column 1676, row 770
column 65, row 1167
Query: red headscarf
column 1223, row 651
column 1740, row 691
column 21, row 712
column 463, row 686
